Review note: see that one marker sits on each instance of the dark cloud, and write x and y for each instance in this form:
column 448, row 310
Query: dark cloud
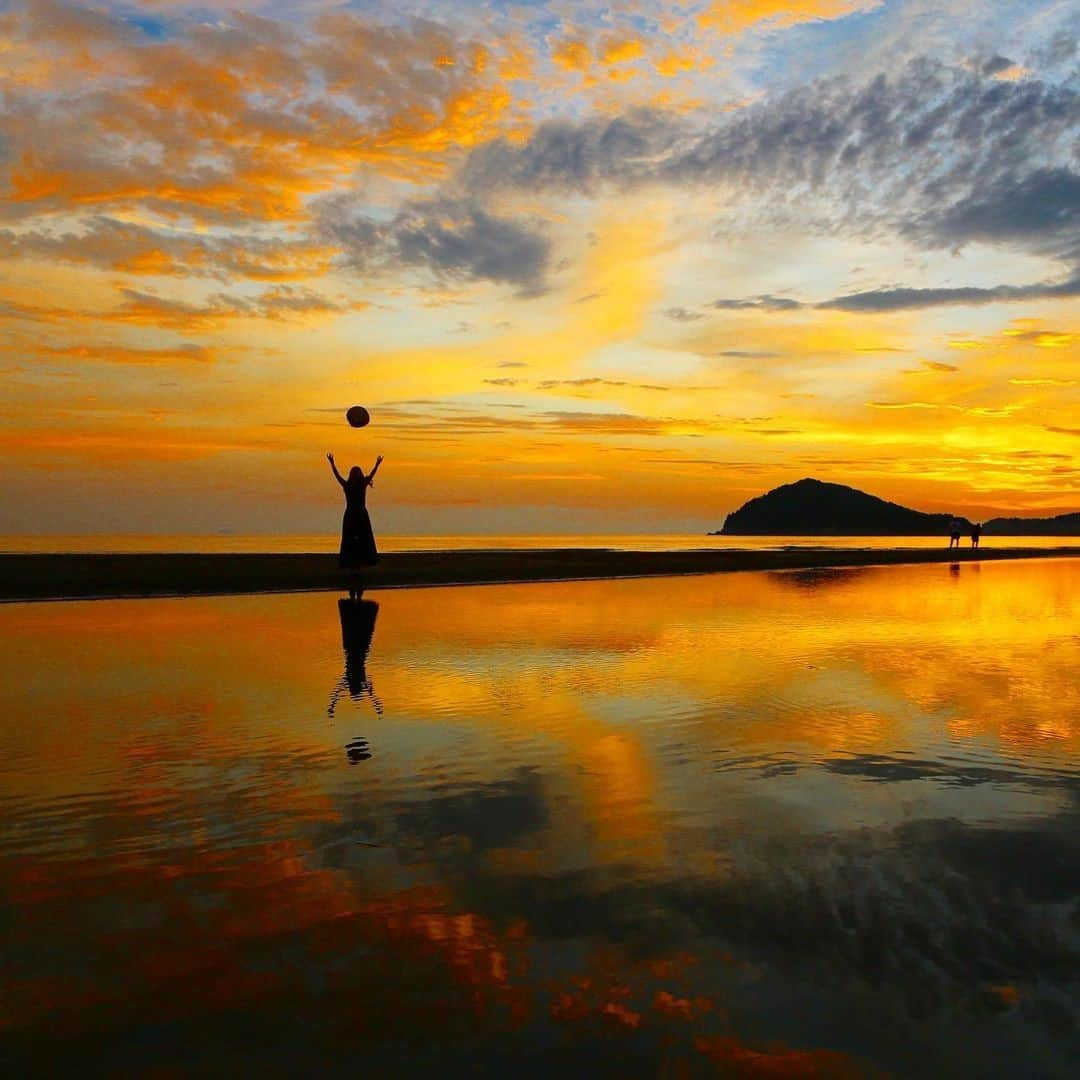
column 472, row 244
column 995, row 65
column 1040, row 209
column 942, row 154
column 681, row 314
column 1060, row 49
column 1042, row 335
column 451, row 238
column 901, row 298
column 930, row 365
column 883, row 300
column 575, row 157
column 884, row 153
column 762, row 303
column 748, row 354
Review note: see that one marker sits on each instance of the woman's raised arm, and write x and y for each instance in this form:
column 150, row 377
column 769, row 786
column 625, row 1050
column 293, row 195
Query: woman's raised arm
column 340, row 479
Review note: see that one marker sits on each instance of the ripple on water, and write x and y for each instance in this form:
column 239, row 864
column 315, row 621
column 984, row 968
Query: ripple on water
column 830, row 811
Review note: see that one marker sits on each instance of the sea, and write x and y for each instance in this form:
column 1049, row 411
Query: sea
column 283, row 544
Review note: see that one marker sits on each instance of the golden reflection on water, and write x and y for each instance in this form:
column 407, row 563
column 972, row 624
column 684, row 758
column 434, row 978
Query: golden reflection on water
column 615, row 774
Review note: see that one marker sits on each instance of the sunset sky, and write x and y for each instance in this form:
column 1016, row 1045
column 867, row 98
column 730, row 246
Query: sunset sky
column 592, row 268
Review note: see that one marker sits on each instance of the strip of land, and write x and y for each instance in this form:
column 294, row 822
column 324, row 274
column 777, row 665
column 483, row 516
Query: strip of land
column 75, row 577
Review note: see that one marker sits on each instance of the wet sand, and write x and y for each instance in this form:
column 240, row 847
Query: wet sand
column 56, row 577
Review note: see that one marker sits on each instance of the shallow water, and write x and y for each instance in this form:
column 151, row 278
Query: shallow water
column 789, row 824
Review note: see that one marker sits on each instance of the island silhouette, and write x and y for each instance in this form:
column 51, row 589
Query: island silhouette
column 810, row 507
column 1062, row 525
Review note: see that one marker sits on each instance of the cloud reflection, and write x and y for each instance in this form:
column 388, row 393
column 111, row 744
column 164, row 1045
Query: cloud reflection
column 737, row 819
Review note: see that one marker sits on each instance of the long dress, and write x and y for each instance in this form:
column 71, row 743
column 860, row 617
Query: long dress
column 357, row 539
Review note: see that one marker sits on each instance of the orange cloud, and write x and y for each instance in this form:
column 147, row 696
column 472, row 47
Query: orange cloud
column 617, row 50
column 232, row 122
column 121, row 354
column 1013, row 73
column 117, row 446
column 572, row 54
column 114, row 244
column 672, row 64
column 737, row 16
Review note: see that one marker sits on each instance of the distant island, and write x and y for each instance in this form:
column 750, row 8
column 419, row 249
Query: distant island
column 1062, row 525
column 814, row 508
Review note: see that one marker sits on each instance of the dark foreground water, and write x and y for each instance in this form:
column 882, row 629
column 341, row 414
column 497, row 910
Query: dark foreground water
column 812, row 823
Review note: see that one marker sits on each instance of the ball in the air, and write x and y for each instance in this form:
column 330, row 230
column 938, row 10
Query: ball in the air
column 358, row 416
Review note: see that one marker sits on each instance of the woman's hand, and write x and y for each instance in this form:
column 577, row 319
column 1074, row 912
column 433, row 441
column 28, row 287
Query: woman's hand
column 330, row 458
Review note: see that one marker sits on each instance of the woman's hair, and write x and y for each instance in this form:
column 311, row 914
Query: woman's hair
column 356, row 473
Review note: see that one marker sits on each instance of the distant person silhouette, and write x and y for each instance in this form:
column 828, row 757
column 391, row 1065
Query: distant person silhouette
column 357, row 629
column 357, row 538
column 976, row 534
column 956, row 527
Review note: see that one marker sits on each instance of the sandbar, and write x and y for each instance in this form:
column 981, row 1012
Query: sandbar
column 83, row 577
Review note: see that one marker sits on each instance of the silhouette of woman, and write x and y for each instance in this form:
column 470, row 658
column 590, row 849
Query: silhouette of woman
column 357, row 539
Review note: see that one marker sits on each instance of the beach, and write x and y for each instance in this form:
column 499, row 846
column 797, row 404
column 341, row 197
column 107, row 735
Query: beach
column 103, row 576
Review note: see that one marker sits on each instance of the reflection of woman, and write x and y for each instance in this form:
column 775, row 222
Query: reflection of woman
column 357, row 629
column 357, row 539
